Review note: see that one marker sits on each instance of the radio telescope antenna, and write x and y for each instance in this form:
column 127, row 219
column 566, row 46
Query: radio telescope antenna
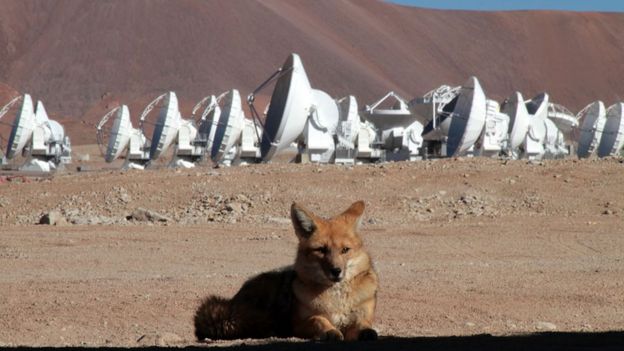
column 613, row 135
column 228, row 131
column 22, row 127
column 593, row 118
column 398, row 131
column 288, row 109
column 50, row 148
column 122, row 136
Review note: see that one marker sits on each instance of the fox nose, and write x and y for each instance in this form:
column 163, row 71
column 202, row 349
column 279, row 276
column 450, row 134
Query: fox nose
column 335, row 272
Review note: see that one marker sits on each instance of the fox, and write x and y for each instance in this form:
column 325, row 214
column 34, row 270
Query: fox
column 328, row 294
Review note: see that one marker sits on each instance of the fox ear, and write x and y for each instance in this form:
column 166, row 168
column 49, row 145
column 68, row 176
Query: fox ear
column 354, row 213
column 302, row 220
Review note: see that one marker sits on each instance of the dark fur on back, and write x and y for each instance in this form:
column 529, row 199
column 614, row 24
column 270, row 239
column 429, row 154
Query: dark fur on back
column 262, row 308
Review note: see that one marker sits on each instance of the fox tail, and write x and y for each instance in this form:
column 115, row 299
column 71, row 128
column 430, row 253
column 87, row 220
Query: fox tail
column 214, row 319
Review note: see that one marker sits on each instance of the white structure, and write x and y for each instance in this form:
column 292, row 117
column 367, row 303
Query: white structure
column 297, row 113
column 593, row 119
column 170, row 128
column 533, row 146
column 495, row 137
column 347, row 130
column 41, row 140
column 458, row 123
column 515, row 108
column 227, row 131
column 121, row 137
column 399, row 134
column 612, row 139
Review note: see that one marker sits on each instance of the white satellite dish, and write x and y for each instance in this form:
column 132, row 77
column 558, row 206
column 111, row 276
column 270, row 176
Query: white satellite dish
column 613, row 134
column 461, row 120
column 399, row 133
column 320, row 128
column 22, row 127
column 427, row 107
column 593, row 118
column 229, row 128
column 50, row 147
column 122, row 136
column 554, row 141
column 167, row 125
column 533, row 146
column 288, row 110
column 565, row 120
column 515, row 108
column 209, row 121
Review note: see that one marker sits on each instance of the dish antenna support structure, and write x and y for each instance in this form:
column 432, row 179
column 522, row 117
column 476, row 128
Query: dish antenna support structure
column 533, row 145
column 398, row 131
column 120, row 137
column 494, row 139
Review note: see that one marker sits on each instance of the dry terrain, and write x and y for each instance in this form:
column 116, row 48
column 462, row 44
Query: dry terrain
column 462, row 246
column 83, row 57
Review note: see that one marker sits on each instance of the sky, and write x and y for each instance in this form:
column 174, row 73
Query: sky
column 485, row 5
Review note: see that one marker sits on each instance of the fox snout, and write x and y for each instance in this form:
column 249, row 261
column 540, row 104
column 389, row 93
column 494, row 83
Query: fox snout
column 336, row 274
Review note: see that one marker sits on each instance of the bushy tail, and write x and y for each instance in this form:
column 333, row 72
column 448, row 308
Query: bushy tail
column 214, row 320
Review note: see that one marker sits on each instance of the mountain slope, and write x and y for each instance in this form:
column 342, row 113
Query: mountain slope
column 79, row 56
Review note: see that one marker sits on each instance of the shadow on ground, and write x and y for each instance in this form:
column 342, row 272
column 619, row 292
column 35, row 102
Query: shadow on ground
column 613, row 340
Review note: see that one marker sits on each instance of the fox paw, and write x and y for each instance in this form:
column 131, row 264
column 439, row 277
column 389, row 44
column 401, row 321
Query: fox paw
column 332, row 335
column 367, row 334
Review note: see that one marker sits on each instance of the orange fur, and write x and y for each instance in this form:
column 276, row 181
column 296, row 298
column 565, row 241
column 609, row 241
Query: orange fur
column 328, row 294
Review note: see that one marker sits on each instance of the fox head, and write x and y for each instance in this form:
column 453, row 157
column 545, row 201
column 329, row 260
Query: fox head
column 330, row 250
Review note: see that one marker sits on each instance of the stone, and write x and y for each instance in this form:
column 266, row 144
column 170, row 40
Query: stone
column 53, row 218
column 145, row 215
column 545, row 326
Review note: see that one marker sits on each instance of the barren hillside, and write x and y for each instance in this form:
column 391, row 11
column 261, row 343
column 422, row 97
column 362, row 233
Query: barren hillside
column 82, row 56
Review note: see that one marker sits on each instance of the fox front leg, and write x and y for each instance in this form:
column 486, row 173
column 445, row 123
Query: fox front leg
column 362, row 328
column 319, row 328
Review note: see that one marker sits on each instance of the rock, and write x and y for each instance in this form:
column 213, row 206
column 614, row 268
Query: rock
column 470, row 325
column 607, row 212
column 145, row 215
column 53, row 218
column 545, row 326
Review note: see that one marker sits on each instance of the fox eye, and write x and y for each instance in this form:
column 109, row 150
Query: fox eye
column 322, row 249
column 345, row 250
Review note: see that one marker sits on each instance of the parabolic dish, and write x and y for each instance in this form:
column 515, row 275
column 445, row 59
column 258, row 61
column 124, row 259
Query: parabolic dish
column 166, row 127
column 23, row 127
column 288, row 109
column 384, row 119
column 325, row 113
column 349, row 126
column 230, row 126
column 209, row 122
column 593, row 120
column 468, row 118
column 41, row 116
column 613, row 135
column 538, row 111
column 57, row 132
column 515, row 108
column 120, row 134
column 562, row 117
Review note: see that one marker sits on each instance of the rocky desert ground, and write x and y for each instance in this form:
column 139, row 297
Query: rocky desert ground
column 462, row 246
